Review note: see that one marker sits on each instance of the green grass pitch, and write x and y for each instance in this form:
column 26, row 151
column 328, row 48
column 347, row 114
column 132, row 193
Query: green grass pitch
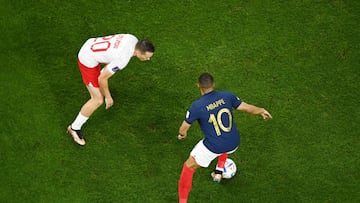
column 298, row 59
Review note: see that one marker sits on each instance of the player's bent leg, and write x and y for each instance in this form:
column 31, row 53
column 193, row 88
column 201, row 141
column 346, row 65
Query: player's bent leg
column 86, row 111
column 217, row 175
column 93, row 103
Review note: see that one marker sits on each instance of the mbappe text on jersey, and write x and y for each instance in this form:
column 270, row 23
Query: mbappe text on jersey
column 215, row 104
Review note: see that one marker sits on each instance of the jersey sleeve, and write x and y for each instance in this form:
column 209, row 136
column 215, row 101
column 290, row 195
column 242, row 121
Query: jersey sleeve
column 235, row 101
column 191, row 115
column 117, row 65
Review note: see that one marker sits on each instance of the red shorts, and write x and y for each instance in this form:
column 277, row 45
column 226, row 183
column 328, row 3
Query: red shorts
column 90, row 75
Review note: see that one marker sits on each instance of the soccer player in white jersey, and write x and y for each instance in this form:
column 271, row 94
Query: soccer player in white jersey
column 114, row 52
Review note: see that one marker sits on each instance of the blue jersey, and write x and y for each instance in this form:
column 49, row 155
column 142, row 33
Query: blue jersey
column 213, row 111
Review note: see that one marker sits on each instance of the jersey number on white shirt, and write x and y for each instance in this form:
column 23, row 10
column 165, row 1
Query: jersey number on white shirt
column 103, row 43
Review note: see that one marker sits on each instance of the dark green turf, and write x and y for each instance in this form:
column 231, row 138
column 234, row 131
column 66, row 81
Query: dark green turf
column 298, row 59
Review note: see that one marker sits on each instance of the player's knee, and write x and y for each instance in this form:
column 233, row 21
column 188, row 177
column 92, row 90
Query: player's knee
column 98, row 101
column 191, row 163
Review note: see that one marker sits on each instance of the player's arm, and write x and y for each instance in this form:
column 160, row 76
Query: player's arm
column 183, row 130
column 104, row 86
column 254, row 110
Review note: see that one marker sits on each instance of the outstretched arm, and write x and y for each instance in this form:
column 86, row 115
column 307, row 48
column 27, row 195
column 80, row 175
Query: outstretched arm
column 183, row 130
column 254, row 110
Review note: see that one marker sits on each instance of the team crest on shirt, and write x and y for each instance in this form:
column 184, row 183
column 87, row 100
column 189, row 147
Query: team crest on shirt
column 115, row 69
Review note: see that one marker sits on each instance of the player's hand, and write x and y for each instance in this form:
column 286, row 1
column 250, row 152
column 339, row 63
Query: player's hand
column 266, row 114
column 181, row 137
column 109, row 102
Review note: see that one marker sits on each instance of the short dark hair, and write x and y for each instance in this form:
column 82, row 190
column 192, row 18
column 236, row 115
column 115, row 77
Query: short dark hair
column 145, row 45
column 206, row 80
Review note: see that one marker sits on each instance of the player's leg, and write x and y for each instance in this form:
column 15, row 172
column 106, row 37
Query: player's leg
column 200, row 156
column 90, row 79
column 219, row 170
column 221, row 161
column 217, row 174
column 185, row 182
column 96, row 100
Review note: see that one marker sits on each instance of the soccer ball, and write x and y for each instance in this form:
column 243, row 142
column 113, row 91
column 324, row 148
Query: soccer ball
column 229, row 169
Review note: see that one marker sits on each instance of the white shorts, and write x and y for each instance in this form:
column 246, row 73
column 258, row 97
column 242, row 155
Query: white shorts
column 203, row 156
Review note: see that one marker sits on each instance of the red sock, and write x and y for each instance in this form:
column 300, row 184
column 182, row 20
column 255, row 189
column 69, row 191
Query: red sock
column 185, row 183
column 221, row 161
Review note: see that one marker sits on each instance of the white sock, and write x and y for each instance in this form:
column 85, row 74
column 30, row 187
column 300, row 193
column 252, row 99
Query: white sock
column 79, row 121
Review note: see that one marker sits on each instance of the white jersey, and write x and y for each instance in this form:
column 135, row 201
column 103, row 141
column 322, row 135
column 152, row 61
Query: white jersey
column 115, row 51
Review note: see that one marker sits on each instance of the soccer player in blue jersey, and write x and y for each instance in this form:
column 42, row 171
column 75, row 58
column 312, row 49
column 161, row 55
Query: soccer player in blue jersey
column 213, row 111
